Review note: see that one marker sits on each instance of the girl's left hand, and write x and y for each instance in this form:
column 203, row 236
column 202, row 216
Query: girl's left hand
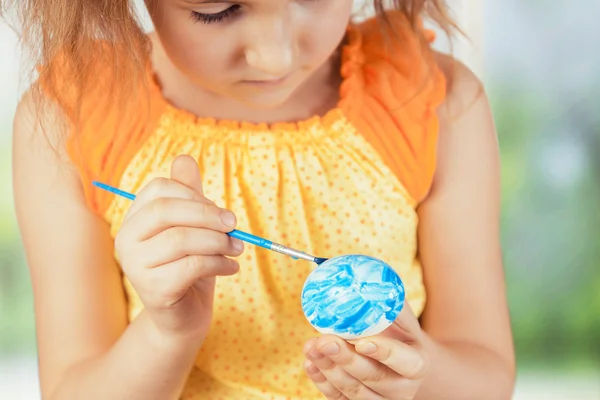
column 391, row 365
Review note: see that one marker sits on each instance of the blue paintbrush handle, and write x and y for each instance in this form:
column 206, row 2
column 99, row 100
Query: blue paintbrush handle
column 247, row 237
column 244, row 236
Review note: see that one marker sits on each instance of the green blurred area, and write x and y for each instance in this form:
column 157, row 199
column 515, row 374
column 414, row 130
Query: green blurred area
column 550, row 227
column 550, row 231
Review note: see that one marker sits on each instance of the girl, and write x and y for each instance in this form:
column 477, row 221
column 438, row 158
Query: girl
column 282, row 118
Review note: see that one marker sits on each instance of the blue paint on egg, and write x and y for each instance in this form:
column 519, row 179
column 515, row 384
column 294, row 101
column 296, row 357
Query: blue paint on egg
column 352, row 296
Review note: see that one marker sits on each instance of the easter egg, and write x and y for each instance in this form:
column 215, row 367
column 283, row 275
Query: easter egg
column 352, row 296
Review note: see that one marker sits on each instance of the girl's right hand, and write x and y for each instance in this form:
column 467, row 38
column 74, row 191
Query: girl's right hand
column 172, row 244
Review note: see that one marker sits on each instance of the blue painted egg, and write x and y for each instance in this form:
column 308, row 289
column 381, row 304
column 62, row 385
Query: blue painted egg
column 352, row 296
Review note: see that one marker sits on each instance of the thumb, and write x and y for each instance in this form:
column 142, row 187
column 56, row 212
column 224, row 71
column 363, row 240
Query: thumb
column 185, row 170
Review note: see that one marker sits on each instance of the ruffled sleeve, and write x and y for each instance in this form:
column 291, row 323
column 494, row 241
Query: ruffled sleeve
column 392, row 89
column 106, row 131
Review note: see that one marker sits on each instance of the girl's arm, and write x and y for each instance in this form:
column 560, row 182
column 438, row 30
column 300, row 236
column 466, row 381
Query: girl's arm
column 466, row 315
column 463, row 348
column 86, row 350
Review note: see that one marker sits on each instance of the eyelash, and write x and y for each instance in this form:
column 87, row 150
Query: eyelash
column 215, row 18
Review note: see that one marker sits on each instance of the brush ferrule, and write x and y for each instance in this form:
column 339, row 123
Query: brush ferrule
column 291, row 252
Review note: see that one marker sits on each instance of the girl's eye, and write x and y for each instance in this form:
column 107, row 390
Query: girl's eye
column 217, row 17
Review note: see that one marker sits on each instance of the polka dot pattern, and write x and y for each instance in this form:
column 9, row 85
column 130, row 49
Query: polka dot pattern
column 319, row 187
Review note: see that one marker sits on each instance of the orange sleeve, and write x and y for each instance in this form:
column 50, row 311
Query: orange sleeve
column 104, row 136
column 401, row 88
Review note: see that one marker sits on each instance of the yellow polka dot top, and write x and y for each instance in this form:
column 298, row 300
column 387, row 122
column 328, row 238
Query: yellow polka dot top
column 346, row 182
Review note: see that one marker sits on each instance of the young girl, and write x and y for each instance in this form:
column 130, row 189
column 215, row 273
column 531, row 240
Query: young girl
column 281, row 118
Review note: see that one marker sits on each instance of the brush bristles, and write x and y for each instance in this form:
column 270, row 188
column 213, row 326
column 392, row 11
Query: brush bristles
column 320, row 261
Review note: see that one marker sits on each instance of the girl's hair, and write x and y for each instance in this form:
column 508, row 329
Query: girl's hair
column 49, row 28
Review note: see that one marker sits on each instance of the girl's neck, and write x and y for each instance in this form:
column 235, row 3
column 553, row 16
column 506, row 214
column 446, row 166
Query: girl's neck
column 315, row 97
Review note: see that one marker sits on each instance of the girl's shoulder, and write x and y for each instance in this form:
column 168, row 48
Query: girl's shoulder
column 403, row 95
column 393, row 87
column 99, row 107
column 462, row 86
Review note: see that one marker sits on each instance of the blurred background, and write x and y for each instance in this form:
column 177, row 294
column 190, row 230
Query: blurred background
column 543, row 88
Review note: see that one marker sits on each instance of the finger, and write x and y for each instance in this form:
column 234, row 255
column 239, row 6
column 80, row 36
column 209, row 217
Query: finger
column 349, row 386
column 400, row 357
column 161, row 187
column 175, row 243
column 185, row 170
column 373, row 374
column 164, row 213
column 177, row 276
column 321, row 382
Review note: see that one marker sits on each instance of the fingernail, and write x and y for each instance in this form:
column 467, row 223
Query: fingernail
column 228, row 219
column 366, row 348
column 330, row 349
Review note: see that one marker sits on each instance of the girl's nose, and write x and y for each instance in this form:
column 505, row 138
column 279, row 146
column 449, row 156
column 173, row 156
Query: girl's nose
column 271, row 49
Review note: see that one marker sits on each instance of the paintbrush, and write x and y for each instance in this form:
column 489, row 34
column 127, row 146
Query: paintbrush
column 244, row 236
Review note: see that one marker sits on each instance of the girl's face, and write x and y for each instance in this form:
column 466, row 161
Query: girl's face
column 255, row 51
